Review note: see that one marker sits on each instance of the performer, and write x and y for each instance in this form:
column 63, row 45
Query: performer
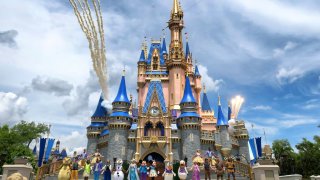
column 182, row 171
column 211, row 156
column 196, row 171
column 207, row 169
column 133, row 171
column 118, row 174
column 153, row 171
column 107, row 171
column 74, row 169
column 230, row 168
column 197, row 157
column 87, row 170
column 219, row 169
column 143, row 170
column 168, row 173
column 65, row 172
column 96, row 156
column 97, row 169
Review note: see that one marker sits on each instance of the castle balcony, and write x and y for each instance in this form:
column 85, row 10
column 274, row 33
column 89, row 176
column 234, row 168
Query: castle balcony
column 234, row 141
column 241, row 133
column 207, row 137
column 160, row 140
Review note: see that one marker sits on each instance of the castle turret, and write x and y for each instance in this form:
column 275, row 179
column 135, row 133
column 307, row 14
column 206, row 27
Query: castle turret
column 189, row 123
column 207, row 114
column 222, row 127
column 164, row 49
column 119, row 123
column 176, row 64
column 98, row 122
column 197, row 86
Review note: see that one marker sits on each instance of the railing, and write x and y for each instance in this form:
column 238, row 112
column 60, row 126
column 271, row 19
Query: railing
column 154, row 139
column 48, row 169
column 243, row 169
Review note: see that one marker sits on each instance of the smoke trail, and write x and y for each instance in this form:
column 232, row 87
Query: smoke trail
column 94, row 32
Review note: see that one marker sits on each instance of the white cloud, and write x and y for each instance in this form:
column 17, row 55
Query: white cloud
column 211, row 84
column 281, row 51
column 296, row 122
column 285, row 76
column 262, row 107
column 75, row 141
column 12, row 107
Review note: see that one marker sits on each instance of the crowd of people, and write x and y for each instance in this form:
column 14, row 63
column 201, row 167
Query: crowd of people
column 92, row 164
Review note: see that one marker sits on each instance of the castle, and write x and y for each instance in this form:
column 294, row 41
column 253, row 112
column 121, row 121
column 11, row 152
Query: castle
column 170, row 121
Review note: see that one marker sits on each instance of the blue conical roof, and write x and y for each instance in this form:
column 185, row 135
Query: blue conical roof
column 205, row 103
column 142, row 57
column 164, row 46
column 100, row 110
column 196, row 71
column 187, row 50
column 187, row 95
column 221, row 121
column 122, row 92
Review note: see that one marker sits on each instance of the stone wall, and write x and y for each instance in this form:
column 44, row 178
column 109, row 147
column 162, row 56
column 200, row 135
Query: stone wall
column 131, row 150
column 190, row 143
column 118, row 141
column 244, row 149
column 92, row 145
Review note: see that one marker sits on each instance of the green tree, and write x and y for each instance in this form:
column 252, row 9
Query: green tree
column 285, row 155
column 15, row 141
column 28, row 131
column 308, row 157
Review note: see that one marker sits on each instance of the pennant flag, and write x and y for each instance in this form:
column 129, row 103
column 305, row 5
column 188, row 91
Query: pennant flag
column 34, row 151
column 63, row 153
column 255, row 148
column 49, row 147
column 41, row 150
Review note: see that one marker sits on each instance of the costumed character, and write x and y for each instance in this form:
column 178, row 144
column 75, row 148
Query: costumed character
column 16, row 176
column 168, row 173
column 153, row 170
column 219, row 169
column 87, row 170
column 197, row 157
column 211, row 157
column 133, row 171
column 97, row 168
column 182, row 171
column 96, row 156
column 195, row 171
column 143, row 170
column 118, row 174
column 65, row 171
column 107, row 171
column 74, row 169
column 230, row 168
column 207, row 169
column 83, row 158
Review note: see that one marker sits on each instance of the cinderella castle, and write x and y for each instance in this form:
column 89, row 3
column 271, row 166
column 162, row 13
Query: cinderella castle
column 170, row 120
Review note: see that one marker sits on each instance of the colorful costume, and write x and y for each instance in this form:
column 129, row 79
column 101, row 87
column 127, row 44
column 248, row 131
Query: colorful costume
column 87, row 170
column 182, row 171
column 211, row 156
column 197, row 158
column 143, row 171
column 65, row 171
column 118, row 174
column 207, row 168
column 107, row 171
column 230, row 168
column 97, row 170
column 74, row 170
column 133, row 171
column 168, row 173
column 219, row 169
column 196, row 172
column 153, row 171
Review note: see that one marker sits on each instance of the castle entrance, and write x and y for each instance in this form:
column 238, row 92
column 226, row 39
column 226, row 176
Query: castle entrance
column 154, row 156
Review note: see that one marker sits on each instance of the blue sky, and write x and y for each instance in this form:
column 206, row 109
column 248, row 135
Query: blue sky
column 266, row 51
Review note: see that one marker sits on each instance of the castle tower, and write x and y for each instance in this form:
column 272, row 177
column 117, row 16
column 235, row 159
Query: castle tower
column 189, row 123
column 98, row 122
column 222, row 127
column 208, row 120
column 197, row 86
column 119, row 124
column 176, row 64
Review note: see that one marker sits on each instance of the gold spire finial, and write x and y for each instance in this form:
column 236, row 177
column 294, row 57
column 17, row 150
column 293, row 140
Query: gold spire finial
column 175, row 8
column 124, row 70
column 187, row 73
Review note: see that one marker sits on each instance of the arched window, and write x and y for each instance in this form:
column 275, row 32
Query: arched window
column 160, row 129
column 147, row 129
column 155, row 62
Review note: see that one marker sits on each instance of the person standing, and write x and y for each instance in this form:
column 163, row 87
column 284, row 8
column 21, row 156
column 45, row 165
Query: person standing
column 107, row 171
column 74, row 169
column 207, row 169
column 230, row 168
column 219, row 169
column 87, row 170
column 195, row 171
column 97, row 169
column 182, row 171
column 143, row 170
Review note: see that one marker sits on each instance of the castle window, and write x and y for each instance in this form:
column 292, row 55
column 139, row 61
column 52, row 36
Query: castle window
column 155, row 63
column 177, row 76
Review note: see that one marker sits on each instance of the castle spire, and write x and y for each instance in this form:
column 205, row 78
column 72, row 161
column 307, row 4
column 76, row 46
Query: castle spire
column 205, row 102
column 175, row 8
column 122, row 92
column 188, row 96
column 221, row 121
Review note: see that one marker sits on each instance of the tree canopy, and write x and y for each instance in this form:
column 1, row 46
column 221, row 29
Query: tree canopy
column 15, row 141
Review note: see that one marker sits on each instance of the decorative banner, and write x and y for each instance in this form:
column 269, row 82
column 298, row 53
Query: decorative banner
column 49, row 147
column 41, row 150
column 34, row 152
column 255, row 149
column 63, row 153
column 259, row 146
